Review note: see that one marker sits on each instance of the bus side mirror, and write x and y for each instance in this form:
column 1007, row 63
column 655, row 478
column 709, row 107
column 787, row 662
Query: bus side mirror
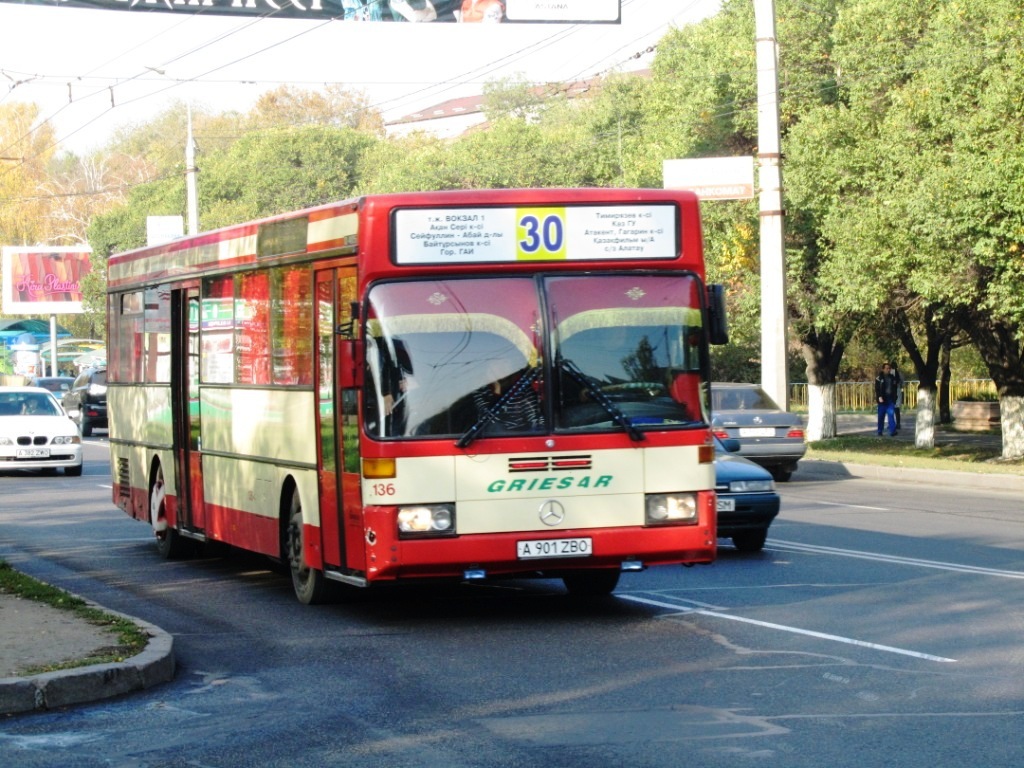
column 350, row 363
column 718, row 323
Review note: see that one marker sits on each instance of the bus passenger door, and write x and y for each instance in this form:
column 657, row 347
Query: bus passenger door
column 185, row 403
column 340, row 494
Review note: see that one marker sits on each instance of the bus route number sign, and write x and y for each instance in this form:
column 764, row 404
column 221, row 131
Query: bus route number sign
column 541, row 233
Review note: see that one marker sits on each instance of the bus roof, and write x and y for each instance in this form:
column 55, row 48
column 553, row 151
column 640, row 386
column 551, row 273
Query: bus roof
column 352, row 226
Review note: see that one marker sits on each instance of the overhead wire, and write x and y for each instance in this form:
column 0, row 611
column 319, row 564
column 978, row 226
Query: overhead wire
column 487, row 68
column 435, row 87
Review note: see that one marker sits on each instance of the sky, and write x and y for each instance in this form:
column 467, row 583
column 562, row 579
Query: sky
column 94, row 71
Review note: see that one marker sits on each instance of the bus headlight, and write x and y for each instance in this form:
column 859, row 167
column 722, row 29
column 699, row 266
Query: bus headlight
column 669, row 508
column 427, row 519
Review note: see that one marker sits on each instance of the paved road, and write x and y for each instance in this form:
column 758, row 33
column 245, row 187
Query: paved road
column 879, row 627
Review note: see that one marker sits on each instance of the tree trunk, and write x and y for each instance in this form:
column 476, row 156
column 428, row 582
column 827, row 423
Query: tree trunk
column 822, row 353
column 821, row 411
column 924, row 429
column 1000, row 348
column 1011, row 417
column 945, row 415
column 927, row 359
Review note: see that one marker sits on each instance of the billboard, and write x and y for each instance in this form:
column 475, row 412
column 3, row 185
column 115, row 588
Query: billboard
column 44, row 280
column 712, row 178
column 484, row 11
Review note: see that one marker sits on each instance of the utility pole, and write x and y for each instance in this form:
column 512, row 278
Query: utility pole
column 774, row 321
column 190, row 177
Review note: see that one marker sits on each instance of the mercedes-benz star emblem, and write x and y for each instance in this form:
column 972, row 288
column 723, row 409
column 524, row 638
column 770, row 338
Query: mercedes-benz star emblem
column 552, row 512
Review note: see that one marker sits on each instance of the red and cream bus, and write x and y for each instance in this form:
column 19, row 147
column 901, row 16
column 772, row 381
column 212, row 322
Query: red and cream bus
column 468, row 385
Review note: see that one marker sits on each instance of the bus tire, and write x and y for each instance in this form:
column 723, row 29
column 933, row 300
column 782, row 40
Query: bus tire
column 593, row 583
column 169, row 543
column 310, row 585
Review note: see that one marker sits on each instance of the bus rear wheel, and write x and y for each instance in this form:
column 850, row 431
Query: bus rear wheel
column 594, row 583
column 310, row 585
column 169, row 543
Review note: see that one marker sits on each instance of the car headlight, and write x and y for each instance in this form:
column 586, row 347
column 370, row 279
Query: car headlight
column 427, row 519
column 66, row 440
column 751, row 486
column 6, row 441
column 668, row 508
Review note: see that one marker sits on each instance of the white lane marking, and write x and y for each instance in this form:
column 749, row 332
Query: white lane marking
column 793, row 546
column 848, row 506
column 795, row 630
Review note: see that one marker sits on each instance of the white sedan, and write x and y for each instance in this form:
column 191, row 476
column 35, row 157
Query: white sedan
column 36, row 433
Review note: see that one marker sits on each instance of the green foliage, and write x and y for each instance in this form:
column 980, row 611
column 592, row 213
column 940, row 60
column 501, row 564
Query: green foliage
column 279, row 170
column 913, row 175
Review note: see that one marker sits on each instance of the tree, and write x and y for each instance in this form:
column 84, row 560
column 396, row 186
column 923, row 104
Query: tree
column 279, row 170
column 703, row 104
column 333, row 107
column 916, row 183
column 25, row 152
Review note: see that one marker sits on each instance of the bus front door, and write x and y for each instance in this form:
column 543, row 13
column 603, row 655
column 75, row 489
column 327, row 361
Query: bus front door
column 185, row 402
column 341, row 516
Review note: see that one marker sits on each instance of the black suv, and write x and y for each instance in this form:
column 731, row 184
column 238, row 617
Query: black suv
column 86, row 402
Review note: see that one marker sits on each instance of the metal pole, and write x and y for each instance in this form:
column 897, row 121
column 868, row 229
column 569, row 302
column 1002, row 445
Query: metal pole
column 774, row 325
column 53, row 346
column 190, row 178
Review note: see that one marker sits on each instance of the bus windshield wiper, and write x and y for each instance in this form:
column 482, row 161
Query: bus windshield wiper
column 600, row 398
column 490, row 414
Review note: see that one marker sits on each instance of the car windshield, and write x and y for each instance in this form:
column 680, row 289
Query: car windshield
column 480, row 357
column 741, row 399
column 54, row 385
column 27, row 404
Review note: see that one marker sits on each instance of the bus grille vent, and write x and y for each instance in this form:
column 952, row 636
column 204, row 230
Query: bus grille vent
column 549, row 463
column 123, row 479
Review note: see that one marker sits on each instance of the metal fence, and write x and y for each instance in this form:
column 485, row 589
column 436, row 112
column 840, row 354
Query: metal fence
column 860, row 395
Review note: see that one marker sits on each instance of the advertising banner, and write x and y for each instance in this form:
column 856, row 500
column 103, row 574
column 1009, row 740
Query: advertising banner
column 466, row 11
column 44, row 281
column 712, row 178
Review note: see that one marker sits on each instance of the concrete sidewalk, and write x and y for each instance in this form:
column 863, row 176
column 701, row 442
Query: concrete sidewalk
column 34, row 634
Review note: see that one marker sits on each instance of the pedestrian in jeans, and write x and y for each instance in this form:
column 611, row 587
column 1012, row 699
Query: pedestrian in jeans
column 886, row 390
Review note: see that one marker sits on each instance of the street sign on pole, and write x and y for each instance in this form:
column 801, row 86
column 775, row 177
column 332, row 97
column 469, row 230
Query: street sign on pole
column 711, row 178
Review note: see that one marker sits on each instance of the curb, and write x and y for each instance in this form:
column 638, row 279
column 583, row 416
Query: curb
column 946, row 478
column 81, row 685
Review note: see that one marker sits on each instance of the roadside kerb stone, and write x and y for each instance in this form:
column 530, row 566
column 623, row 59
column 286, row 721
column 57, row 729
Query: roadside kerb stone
column 50, row 690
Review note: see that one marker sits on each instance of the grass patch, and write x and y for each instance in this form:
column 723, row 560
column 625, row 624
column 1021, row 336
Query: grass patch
column 130, row 639
column 961, row 457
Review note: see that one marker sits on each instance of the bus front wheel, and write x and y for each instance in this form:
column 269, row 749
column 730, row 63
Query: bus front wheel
column 310, row 585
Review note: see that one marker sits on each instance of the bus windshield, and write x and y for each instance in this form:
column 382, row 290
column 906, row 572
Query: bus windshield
column 485, row 357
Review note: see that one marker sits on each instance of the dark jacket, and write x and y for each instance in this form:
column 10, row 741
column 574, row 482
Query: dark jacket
column 886, row 387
